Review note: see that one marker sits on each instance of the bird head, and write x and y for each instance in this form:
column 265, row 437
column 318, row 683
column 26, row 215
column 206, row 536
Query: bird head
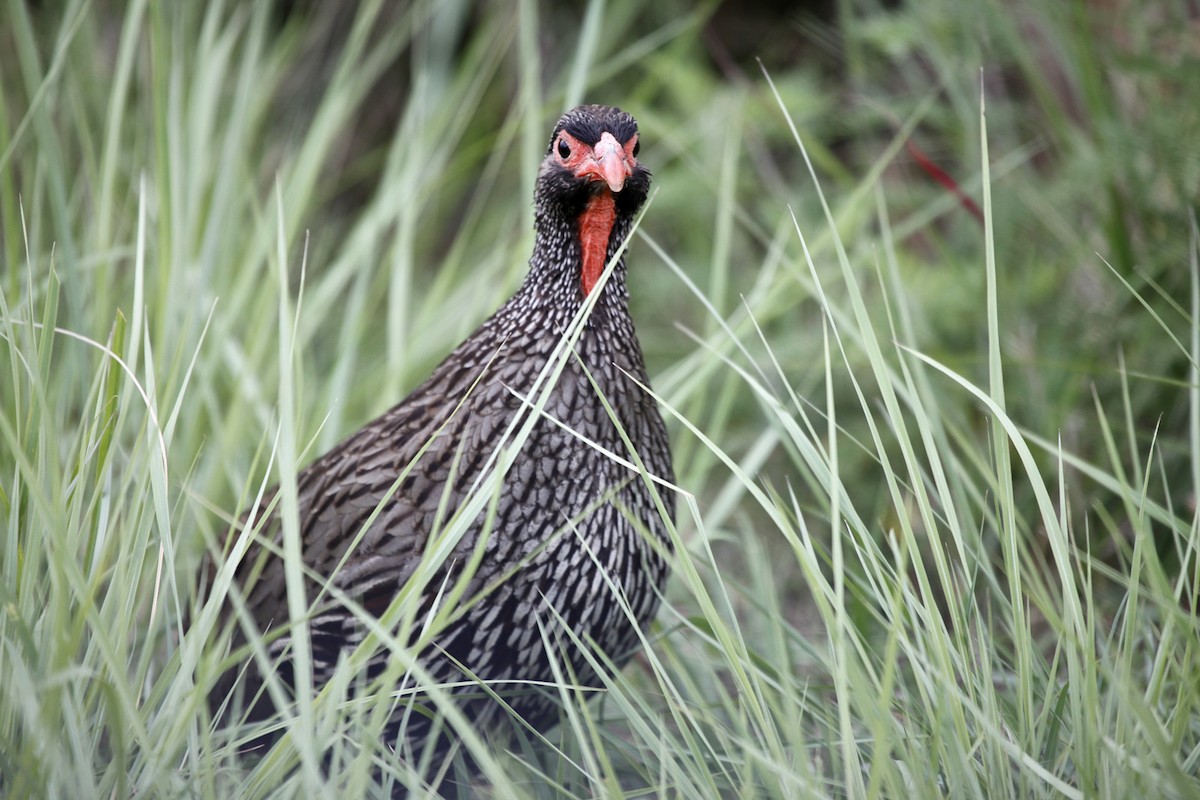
column 591, row 180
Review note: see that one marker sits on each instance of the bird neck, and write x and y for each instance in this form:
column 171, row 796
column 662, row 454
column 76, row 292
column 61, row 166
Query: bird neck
column 570, row 255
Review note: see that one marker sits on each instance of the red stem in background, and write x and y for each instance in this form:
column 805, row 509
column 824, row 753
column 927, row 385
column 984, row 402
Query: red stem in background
column 939, row 175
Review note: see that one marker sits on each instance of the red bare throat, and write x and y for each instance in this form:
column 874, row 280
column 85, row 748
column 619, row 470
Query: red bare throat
column 595, row 226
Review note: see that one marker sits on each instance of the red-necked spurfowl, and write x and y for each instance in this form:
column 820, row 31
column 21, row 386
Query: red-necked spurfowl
column 571, row 539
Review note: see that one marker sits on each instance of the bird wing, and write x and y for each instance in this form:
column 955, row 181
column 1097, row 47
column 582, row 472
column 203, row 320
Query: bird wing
column 369, row 506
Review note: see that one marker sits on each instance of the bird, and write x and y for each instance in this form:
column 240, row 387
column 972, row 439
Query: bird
column 562, row 564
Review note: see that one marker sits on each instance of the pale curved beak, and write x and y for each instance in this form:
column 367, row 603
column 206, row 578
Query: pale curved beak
column 609, row 163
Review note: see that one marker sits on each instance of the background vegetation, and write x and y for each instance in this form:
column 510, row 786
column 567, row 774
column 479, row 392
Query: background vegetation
column 931, row 373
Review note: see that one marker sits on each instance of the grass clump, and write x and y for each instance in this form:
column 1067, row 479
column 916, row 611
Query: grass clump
column 940, row 536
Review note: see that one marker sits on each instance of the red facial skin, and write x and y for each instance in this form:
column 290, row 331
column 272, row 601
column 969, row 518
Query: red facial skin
column 610, row 163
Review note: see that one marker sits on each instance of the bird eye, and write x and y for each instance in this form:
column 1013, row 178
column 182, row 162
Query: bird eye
column 564, row 150
column 637, row 145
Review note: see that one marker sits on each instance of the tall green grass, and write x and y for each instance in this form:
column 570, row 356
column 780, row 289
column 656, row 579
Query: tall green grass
column 939, row 528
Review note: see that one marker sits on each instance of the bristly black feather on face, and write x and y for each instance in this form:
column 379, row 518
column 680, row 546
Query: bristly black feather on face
column 587, row 123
